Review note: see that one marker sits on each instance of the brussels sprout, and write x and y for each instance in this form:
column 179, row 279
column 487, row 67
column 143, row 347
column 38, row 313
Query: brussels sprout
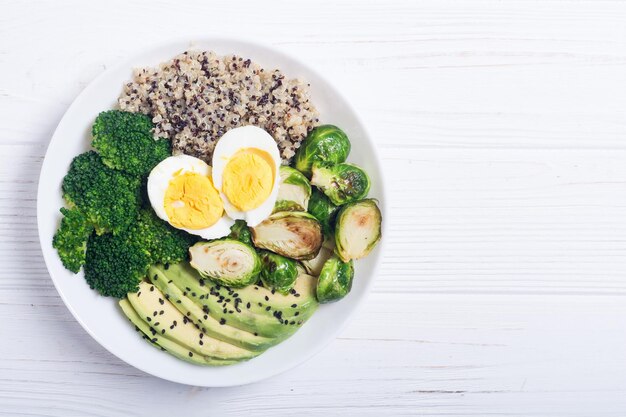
column 278, row 273
column 294, row 234
column 241, row 232
column 326, row 143
column 357, row 229
column 294, row 191
column 314, row 266
column 227, row 261
column 342, row 183
column 323, row 210
column 335, row 280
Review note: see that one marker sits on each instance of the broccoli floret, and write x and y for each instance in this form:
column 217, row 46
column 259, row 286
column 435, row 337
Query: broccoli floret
column 114, row 265
column 125, row 141
column 108, row 198
column 164, row 243
column 70, row 240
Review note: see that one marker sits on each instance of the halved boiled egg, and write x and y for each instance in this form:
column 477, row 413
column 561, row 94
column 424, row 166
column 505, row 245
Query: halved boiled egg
column 181, row 192
column 245, row 171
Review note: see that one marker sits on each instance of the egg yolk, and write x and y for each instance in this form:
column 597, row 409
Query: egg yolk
column 192, row 202
column 248, row 178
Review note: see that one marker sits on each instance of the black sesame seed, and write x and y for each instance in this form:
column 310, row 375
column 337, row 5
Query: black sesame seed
column 248, row 305
column 267, row 298
column 222, row 321
column 166, row 266
column 148, row 318
column 161, row 301
column 294, row 305
column 268, row 308
column 190, row 354
column 152, row 288
column 256, row 334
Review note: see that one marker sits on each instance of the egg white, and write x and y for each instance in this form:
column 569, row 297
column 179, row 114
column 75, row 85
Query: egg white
column 227, row 146
column 158, row 182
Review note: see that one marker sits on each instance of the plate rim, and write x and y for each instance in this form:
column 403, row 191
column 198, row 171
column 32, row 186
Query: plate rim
column 187, row 43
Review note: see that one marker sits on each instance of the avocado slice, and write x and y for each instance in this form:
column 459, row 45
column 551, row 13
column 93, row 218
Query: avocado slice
column 237, row 310
column 187, row 279
column 208, row 324
column 173, row 348
column 152, row 306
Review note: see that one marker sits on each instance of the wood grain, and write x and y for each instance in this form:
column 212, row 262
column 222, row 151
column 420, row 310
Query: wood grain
column 502, row 129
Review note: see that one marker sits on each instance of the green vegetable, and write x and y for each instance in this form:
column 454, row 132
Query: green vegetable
column 335, row 280
column 70, row 240
column 114, row 265
column 323, row 210
column 294, row 191
column 326, row 143
column 342, row 183
column 164, row 243
column 278, row 273
column 108, row 198
column 358, row 229
column 125, row 141
column 241, row 232
column 227, row 261
column 294, row 234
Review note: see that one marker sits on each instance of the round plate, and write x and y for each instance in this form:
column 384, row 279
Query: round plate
column 100, row 316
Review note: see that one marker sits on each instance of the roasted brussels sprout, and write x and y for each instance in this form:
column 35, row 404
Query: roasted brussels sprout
column 241, row 232
column 326, row 143
column 294, row 234
column 335, row 280
column 358, row 229
column 342, row 183
column 294, row 191
column 227, row 261
column 278, row 273
column 323, row 210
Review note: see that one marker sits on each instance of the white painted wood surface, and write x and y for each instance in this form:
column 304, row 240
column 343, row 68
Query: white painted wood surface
column 502, row 127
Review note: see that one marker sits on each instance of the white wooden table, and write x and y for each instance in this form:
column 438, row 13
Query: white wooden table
column 502, row 128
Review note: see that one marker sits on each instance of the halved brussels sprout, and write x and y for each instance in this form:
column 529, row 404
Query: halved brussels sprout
column 278, row 273
column 342, row 183
column 294, row 234
column 241, row 232
column 228, row 262
column 294, row 191
column 314, row 266
column 358, row 229
column 335, row 280
column 324, row 211
column 326, row 143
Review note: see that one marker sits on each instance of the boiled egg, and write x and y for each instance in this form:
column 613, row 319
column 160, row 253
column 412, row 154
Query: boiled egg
column 245, row 169
column 181, row 192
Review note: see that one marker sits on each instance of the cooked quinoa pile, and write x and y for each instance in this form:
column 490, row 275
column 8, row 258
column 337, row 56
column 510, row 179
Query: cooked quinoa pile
column 196, row 97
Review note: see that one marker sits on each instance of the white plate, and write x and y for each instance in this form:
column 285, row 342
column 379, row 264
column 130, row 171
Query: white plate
column 100, row 316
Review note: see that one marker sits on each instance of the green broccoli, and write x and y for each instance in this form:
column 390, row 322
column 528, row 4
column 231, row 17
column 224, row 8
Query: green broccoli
column 115, row 265
column 108, row 198
column 70, row 240
column 125, row 142
column 164, row 243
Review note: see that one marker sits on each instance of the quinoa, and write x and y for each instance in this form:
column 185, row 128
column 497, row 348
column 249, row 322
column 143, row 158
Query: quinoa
column 198, row 96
